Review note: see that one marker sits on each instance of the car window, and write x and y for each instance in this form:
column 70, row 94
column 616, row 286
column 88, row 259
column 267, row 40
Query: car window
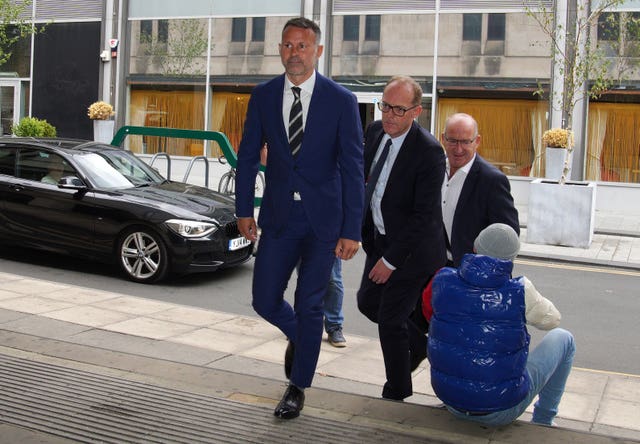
column 41, row 166
column 7, row 160
column 117, row 169
column 57, row 168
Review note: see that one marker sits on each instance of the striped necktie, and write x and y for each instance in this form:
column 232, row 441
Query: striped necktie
column 295, row 122
column 373, row 177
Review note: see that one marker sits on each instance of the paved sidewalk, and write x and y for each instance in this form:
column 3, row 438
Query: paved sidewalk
column 230, row 358
column 207, row 376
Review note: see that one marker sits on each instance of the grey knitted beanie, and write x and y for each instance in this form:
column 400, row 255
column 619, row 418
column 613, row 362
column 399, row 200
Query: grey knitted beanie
column 499, row 241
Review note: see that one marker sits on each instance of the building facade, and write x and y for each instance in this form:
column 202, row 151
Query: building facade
column 193, row 65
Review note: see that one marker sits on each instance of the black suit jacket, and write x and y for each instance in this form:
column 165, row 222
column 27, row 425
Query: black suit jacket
column 410, row 205
column 485, row 199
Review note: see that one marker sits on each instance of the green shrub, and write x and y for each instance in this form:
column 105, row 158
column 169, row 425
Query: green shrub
column 33, row 127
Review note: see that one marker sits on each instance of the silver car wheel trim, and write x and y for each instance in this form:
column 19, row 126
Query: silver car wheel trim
column 140, row 255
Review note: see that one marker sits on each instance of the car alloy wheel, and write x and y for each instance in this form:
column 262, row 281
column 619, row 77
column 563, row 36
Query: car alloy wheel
column 143, row 256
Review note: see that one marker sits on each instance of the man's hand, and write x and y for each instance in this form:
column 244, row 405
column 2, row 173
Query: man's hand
column 380, row 273
column 346, row 248
column 248, row 228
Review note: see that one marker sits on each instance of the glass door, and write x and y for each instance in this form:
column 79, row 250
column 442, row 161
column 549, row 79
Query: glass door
column 10, row 104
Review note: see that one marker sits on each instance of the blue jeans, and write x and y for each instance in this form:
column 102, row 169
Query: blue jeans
column 332, row 308
column 548, row 367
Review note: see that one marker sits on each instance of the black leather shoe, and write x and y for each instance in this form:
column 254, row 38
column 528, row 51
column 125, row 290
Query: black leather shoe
column 291, row 403
column 288, row 359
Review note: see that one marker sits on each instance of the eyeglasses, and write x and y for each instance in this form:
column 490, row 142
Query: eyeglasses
column 397, row 109
column 462, row 142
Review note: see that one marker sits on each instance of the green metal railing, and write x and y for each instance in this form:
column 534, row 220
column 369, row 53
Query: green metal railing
column 177, row 133
column 220, row 138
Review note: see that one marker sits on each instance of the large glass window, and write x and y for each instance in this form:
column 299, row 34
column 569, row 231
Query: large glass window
column 632, row 26
column 495, row 26
column 239, row 30
column 471, row 27
column 372, row 28
column 146, row 30
column 351, row 28
column 608, row 26
column 163, row 31
column 257, row 29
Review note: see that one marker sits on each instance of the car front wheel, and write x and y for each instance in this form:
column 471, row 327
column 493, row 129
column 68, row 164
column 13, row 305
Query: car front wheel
column 142, row 255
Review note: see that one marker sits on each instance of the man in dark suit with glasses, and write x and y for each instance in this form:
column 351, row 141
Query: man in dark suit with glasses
column 402, row 231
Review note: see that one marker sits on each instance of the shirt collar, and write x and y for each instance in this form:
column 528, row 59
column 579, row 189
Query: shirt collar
column 397, row 141
column 306, row 86
column 466, row 168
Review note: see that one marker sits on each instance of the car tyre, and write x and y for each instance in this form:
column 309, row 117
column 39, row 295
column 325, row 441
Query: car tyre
column 142, row 255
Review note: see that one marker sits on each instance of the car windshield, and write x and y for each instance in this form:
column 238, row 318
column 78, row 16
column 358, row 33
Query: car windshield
column 117, row 169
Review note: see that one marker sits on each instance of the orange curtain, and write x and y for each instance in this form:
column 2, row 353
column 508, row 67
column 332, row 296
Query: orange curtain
column 505, row 126
column 166, row 109
column 229, row 113
column 616, row 156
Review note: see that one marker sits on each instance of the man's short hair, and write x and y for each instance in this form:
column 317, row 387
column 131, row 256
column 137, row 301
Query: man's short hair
column 304, row 23
column 415, row 87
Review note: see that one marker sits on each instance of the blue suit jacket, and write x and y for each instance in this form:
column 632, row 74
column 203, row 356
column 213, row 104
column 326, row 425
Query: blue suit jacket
column 331, row 145
column 485, row 199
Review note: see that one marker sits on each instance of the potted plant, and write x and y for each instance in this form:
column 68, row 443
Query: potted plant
column 101, row 113
column 561, row 212
column 33, row 127
column 557, row 142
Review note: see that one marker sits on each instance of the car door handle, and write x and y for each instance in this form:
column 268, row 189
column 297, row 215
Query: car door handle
column 16, row 188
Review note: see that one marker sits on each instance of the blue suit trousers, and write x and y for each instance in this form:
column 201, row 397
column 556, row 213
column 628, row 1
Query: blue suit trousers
column 277, row 257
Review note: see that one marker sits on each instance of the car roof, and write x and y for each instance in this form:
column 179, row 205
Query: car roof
column 67, row 145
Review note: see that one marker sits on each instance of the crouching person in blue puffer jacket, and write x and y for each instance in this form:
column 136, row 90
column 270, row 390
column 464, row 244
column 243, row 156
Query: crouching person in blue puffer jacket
column 481, row 367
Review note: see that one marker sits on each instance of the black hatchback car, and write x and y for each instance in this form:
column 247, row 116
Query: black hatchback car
column 94, row 200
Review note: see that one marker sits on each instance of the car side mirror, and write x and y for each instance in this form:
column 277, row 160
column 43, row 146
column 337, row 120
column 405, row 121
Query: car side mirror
column 71, row 182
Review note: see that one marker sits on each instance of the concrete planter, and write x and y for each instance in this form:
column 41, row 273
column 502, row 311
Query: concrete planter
column 561, row 214
column 554, row 162
column 103, row 130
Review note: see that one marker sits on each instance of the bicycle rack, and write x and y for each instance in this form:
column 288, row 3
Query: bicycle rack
column 216, row 136
column 206, row 169
column 156, row 155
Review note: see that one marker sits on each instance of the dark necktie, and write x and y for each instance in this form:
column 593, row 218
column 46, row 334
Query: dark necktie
column 373, row 177
column 295, row 122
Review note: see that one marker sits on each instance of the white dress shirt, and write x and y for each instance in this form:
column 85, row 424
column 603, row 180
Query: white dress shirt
column 451, row 189
column 306, row 90
column 378, row 192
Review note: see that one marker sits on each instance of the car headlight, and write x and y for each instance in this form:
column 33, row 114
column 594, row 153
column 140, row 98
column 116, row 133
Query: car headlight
column 191, row 228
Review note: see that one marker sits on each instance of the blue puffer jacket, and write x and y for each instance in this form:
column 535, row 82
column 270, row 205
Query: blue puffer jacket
column 478, row 340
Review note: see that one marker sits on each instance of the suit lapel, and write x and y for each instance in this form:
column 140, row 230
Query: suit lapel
column 370, row 152
column 275, row 99
column 317, row 108
column 404, row 157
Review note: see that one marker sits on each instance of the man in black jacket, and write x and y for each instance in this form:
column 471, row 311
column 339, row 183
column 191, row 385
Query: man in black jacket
column 402, row 232
column 475, row 194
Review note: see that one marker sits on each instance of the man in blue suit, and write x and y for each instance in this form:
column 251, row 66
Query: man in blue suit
column 311, row 209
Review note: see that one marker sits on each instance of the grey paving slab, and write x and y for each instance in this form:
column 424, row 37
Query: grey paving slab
column 43, row 327
column 146, row 347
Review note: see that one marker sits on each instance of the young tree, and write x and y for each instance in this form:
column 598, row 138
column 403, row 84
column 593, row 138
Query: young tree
column 13, row 25
column 179, row 55
column 578, row 61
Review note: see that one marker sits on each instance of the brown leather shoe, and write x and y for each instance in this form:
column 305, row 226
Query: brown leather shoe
column 291, row 403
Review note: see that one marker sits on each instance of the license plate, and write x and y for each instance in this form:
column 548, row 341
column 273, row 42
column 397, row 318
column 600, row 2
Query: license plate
column 238, row 243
